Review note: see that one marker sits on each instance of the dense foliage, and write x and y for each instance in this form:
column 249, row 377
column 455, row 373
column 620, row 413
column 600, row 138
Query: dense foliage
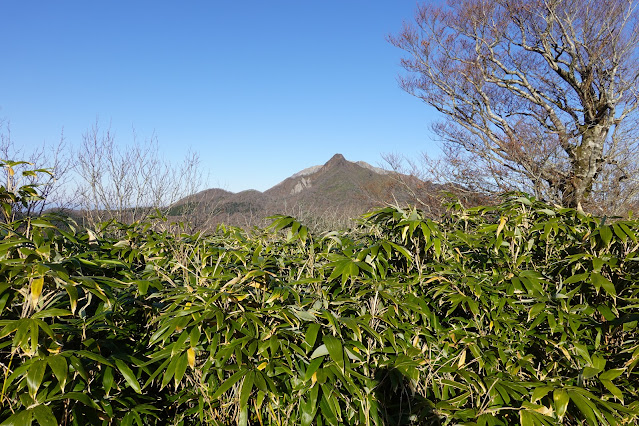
column 513, row 314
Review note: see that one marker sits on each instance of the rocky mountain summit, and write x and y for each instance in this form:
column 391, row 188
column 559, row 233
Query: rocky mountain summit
column 337, row 188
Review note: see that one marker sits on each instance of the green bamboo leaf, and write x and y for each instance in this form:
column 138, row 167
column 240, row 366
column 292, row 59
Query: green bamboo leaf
column 143, row 286
column 582, row 350
column 34, row 335
column 95, row 357
column 247, row 387
column 606, row 234
column 312, row 367
column 329, row 406
column 79, row 368
column 21, row 418
column 44, row 415
column 306, row 413
column 180, row 368
column 194, row 337
column 611, row 374
column 60, row 369
column 157, row 373
column 540, row 392
column 561, row 399
column 170, row 370
column 590, row 372
column 535, row 310
column 319, row 351
column 10, row 327
column 128, row 375
column 577, row 278
column 311, row 335
column 107, row 380
column 309, row 407
column 335, row 350
column 599, row 281
column 179, row 344
column 41, row 223
column 628, row 232
column 619, row 232
column 4, row 287
column 405, row 252
column 73, row 296
column 53, row 312
column 78, row 396
column 586, row 406
column 35, row 375
column 613, row 389
column 228, row 384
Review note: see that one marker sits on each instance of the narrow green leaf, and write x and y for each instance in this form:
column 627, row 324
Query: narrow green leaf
column 309, row 407
column 535, row 310
column 228, row 384
column 194, row 337
column 53, row 312
column 78, row 396
column 590, row 372
column 128, row 375
column 599, row 280
column 21, row 418
column 44, row 415
column 79, row 368
column 9, row 328
column 35, row 376
column 320, row 351
column 35, row 332
column 180, row 368
column 41, row 223
column 73, row 296
column 619, row 232
column 611, row 374
column 58, row 365
column 561, row 399
column 170, row 370
column 312, row 367
column 606, row 234
column 613, row 389
column 540, row 392
column 311, row 335
column 247, row 387
column 107, row 380
column 577, row 278
column 335, row 350
column 585, row 406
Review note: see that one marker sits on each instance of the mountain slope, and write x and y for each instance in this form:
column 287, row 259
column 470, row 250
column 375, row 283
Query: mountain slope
column 337, row 188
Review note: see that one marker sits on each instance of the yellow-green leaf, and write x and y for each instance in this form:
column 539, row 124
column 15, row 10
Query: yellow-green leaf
column 191, row 357
column 36, row 289
column 561, row 400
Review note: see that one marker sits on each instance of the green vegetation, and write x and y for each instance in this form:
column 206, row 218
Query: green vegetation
column 513, row 314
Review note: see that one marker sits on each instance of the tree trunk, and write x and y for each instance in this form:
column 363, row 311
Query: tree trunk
column 586, row 160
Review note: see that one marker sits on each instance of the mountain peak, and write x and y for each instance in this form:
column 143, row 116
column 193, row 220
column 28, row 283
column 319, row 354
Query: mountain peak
column 336, row 159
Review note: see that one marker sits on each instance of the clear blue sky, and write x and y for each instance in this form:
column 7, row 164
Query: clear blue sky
column 261, row 89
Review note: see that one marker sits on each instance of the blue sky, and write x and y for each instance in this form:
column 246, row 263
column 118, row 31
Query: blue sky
column 260, row 89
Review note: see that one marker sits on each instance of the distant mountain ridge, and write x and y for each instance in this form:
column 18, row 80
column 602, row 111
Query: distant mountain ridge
column 338, row 187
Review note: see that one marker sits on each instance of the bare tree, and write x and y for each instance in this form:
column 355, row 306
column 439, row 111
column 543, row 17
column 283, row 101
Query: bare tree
column 130, row 183
column 537, row 92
